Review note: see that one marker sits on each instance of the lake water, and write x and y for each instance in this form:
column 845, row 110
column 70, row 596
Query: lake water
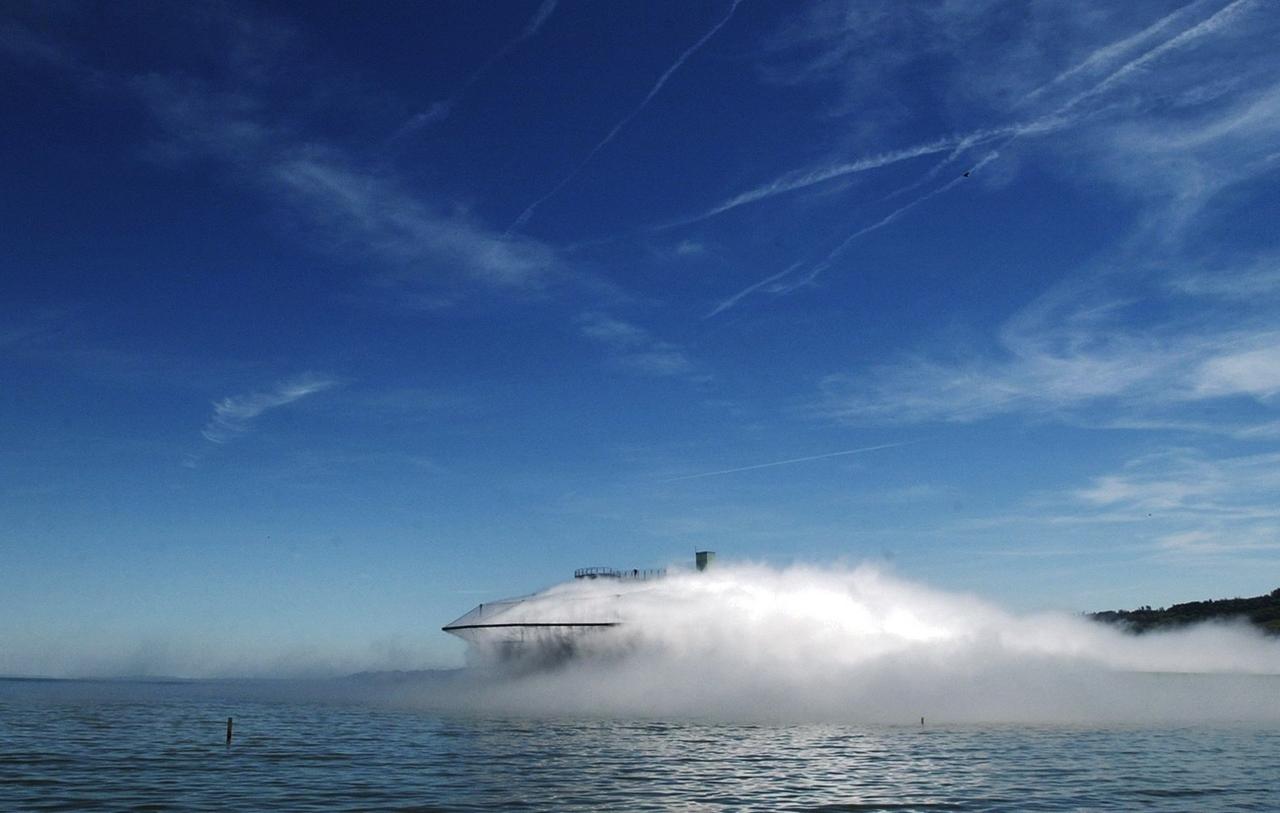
column 71, row 745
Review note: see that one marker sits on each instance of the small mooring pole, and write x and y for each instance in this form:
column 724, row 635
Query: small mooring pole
column 229, row 728
column 228, row 732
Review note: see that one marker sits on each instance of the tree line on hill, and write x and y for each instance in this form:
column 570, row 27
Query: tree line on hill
column 1261, row 611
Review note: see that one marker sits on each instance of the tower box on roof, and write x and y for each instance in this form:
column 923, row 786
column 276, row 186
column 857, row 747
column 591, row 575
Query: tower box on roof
column 704, row 558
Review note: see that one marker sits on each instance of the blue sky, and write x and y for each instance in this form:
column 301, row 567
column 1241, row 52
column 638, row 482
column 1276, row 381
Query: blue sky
column 319, row 325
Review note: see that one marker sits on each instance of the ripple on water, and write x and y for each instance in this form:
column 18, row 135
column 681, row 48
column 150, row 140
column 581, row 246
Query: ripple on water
column 77, row 751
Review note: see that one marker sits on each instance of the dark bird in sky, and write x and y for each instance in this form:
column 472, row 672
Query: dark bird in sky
column 966, row 172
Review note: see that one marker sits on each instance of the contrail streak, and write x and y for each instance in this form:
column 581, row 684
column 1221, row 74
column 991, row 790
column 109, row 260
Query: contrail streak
column 441, row 110
column 617, row 128
column 539, row 17
column 733, row 300
column 825, row 264
column 901, row 210
column 792, row 460
column 952, row 145
column 1060, row 118
column 793, row 181
column 1044, row 124
column 1215, row 22
column 535, row 22
column 1114, row 49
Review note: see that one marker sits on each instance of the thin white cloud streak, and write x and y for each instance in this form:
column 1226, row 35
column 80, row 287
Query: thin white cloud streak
column 436, row 111
column 402, row 228
column 819, row 268
column 1051, row 122
column 899, row 212
column 1201, row 543
column 793, row 181
column 1128, row 371
column 1253, row 372
column 234, row 415
column 1062, row 355
column 728, row 303
column 1077, row 354
column 1252, row 284
column 634, row 349
column 610, row 330
column 1065, row 115
column 420, row 244
column 1213, row 24
column 617, row 128
column 1115, row 49
column 807, row 459
column 539, row 17
column 439, row 111
column 1164, row 483
column 1178, row 168
column 1178, row 503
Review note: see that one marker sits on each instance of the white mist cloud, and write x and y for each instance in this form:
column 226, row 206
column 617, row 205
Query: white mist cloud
column 861, row 645
column 234, row 415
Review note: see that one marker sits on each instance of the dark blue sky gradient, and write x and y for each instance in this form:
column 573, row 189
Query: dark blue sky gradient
column 287, row 382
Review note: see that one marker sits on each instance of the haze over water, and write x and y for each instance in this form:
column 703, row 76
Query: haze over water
column 858, row 645
column 742, row 688
column 137, row 746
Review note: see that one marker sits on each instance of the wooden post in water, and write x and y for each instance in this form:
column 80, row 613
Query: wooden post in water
column 228, row 732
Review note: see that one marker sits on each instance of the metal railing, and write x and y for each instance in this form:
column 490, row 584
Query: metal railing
column 614, row 573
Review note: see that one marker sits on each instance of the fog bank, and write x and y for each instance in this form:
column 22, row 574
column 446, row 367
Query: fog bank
column 758, row 643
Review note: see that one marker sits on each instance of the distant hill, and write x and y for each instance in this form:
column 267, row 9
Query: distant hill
column 1262, row 611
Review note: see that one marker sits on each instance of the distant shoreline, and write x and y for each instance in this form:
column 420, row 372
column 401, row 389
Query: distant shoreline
column 1262, row 612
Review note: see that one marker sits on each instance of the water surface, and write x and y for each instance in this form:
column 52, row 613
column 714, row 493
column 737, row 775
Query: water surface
column 70, row 745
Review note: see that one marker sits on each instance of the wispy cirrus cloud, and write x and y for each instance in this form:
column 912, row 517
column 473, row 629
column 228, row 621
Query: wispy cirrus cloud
column 1219, row 20
column 1103, row 58
column 1172, row 503
column 424, row 246
column 607, row 329
column 420, row 244
column 1175, row 165
column 1255, row 279
column 1081, row 346
column 234, row 415
column 803, row 179
column 1200, row 504
column 847, row 36
column 634, row 349
column 1063, row 356
column 1098, row 94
